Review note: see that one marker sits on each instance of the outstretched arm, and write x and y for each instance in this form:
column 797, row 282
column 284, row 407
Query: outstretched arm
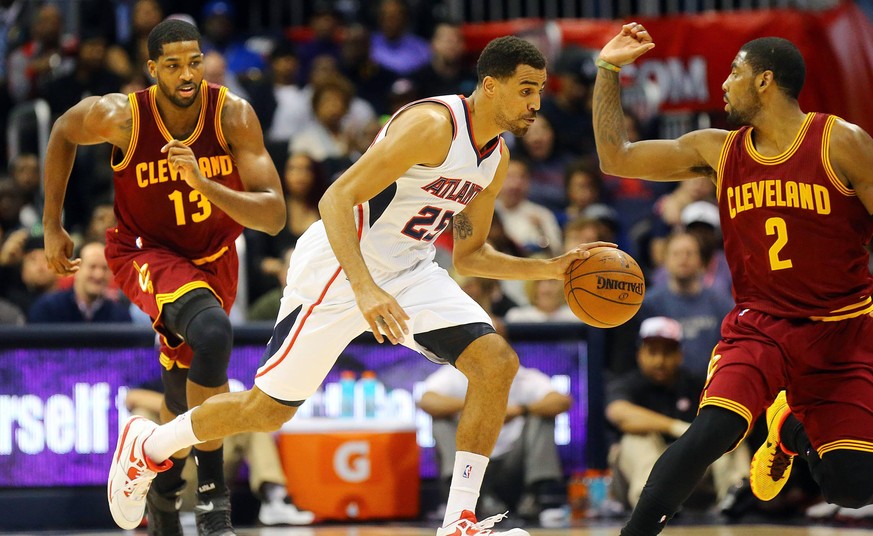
column 260, row 206
column 691, row 155
column 472, row 256
column 93, row 120
column 633, row 419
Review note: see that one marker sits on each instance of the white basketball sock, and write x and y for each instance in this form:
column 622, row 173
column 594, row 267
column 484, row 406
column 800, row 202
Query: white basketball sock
column 170, row 438
column 466, row 483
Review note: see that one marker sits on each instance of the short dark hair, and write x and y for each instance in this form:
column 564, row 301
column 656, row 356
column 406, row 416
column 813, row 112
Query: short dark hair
column 503, row 55
column 782, row 58
column 170, row 31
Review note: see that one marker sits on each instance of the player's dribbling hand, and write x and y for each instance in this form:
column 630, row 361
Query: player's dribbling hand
column 59, row 250
column 580, row 252
column 632, row 42
column 181, row 160
column 383, row 313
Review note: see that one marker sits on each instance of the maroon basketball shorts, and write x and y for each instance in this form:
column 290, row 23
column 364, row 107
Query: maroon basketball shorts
column 152, row 277
column 826, row 368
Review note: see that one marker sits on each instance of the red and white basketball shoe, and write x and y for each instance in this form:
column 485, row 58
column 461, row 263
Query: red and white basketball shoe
column 467, row 525
column 131, row 473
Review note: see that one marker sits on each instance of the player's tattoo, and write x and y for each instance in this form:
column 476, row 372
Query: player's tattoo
column 462, row 227
column 609, row 127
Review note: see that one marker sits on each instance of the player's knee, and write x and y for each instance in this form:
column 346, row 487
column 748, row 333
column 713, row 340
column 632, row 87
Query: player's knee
column 210, row 336
column 844, row 477
column 495, row 362
column 265, row 413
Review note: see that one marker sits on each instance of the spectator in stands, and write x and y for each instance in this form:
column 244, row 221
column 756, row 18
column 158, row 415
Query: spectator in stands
column 219, row 34
column 583, row 186
column 527, row 223
column 326, row 25
column 547, row 164
column 525, row 467
column 372, row 81
column 325, row 139
column 24, row 272
column 500, row 240
column 701, row 219
column 86, row 300
column 266, row 307
column 24, row 170
column 547, row 303
column 446, row 73
column 257, row 450
column 11, row 203
column 325, row 69
column 393, row 45
column 41, row 59
column 684, row 298
column 304, row 184
column 89, row 76
column 215, row 71
column 281, row 106
column 667, row 211
column 10, row 315
column 102, row 219
column 488, row 294
column 128, row 59
column 568, row 108
column 583, row 230
column 654, row 405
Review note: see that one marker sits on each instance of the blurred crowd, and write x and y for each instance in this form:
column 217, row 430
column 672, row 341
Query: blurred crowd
column 321, row 98
column 322, row 93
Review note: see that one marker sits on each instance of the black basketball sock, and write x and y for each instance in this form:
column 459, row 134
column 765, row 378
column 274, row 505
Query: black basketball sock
column 171, row 479
column 210, row 471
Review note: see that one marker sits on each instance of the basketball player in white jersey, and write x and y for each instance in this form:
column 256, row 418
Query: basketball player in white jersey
column 368, row 265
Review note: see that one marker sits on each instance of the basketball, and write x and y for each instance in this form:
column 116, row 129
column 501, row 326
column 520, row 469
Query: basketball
column 606, row 289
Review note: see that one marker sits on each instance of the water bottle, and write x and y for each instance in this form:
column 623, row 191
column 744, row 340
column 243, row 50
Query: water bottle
column 347, row 394
column 368, row 389
column 598, row 484
column 577, row 495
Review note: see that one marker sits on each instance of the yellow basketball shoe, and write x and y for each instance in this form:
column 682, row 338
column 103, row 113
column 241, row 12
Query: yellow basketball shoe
column 771, row 465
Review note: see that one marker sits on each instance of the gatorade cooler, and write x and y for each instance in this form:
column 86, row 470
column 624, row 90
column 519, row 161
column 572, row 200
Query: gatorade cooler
column 346, row 469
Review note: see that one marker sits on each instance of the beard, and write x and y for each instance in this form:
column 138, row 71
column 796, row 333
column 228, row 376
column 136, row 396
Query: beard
column 511, row 126
column 739, row 118
column 176, row 99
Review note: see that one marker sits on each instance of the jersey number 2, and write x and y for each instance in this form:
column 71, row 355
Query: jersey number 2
column 776, row 226
column 417, row 226
column 203, row 204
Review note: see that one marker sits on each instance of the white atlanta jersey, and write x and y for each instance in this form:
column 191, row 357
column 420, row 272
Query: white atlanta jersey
column 401, row 223
column 319, row 316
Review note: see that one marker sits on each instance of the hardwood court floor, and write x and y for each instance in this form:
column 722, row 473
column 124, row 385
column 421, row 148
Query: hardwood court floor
column 612, row 530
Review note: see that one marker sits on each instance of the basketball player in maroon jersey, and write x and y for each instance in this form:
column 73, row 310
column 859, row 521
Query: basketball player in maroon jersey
column 191, row 171
column 795, row 196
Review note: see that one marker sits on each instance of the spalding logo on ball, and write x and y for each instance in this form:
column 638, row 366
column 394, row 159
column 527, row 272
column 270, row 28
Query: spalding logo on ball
column 606, row 289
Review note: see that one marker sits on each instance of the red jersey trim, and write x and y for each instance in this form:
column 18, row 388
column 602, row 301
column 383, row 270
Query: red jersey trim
column 728, row 404
column 134, row 136
column 219, row 133
column 204, row 101
column 722, row 160
column 270, row 366
column 780, row 158
column 826, row 159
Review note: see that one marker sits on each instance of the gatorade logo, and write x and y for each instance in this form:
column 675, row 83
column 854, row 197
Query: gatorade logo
column 351, row 461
